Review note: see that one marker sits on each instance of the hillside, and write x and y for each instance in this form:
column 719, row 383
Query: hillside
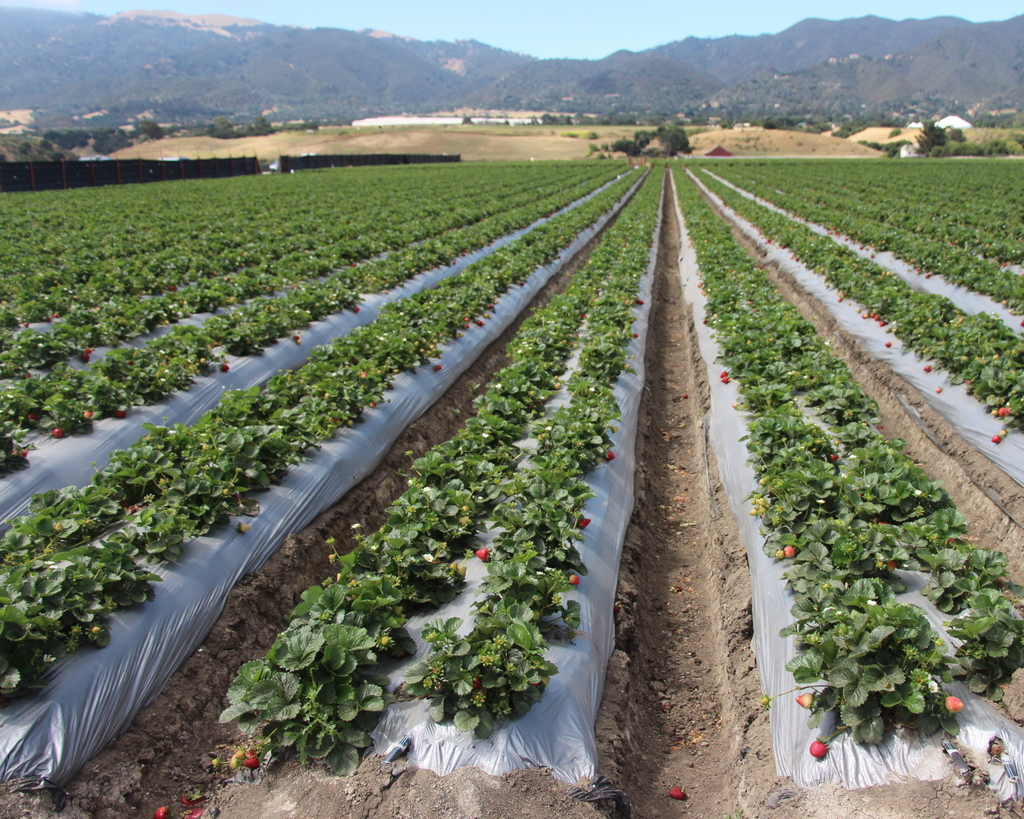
column 623, row 80
column 964, row 69
column 65, row 67
column 735, row 59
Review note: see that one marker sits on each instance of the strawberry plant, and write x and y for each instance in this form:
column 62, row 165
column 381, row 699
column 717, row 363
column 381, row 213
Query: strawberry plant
column 846, row 509
column 498, row 670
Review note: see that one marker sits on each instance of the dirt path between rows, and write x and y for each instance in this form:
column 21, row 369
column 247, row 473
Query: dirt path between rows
column 680, row 706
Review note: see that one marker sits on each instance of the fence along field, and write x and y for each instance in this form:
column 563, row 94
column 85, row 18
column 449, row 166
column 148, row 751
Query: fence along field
column 90, row 173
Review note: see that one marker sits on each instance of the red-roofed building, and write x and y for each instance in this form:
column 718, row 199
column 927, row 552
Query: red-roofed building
column 718, row 150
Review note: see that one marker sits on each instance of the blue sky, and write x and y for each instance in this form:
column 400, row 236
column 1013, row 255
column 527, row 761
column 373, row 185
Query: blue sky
column 588, row 29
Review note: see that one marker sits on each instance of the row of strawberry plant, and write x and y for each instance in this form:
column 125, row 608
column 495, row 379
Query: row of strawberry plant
column 468, row 677
column 123, row 316
column 979, row 350
column 958, row 265
column 970, row 206
column 68, row 400
column 178, row 482
column 847, row 509
column 82, row 249
column 407, row 564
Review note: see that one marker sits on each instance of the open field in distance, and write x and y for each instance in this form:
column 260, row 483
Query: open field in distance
column 494, row 142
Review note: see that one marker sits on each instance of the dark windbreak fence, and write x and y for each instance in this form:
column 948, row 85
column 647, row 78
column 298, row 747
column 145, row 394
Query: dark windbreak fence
column 305, row 163
column 61, row 175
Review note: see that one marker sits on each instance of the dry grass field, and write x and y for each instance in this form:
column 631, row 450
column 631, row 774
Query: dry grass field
column 474, row 143
column 495, row 142
column 759, row 142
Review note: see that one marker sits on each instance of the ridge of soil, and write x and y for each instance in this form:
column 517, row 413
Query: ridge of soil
column 680, row 705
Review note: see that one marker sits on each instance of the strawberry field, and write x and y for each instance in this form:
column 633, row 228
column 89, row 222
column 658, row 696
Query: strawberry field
column 535, row 425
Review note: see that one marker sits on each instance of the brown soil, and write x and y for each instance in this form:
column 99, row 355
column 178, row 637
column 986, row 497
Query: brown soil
column 681, row 698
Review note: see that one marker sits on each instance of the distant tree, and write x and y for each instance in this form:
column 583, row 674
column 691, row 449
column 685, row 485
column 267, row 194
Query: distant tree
column 222, row 128
column 67, row 139
column 626, row 146
column 261, row 127
column 107, row 140
column 955, row 135
column 469, row 121
column 674, row 140
column 931, row 136
column 643, row 138
column 149, row 129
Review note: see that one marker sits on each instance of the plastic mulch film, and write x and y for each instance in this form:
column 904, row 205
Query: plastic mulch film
column 965, row 299
column 904, row 754
column 968, row 416
column 73, row 460
column 558, row 732
column 93, row 695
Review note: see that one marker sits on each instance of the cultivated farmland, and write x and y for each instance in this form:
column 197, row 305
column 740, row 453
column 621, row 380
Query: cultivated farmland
column 556, row 469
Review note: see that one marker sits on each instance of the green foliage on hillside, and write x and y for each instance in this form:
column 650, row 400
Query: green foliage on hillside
column 116, row 70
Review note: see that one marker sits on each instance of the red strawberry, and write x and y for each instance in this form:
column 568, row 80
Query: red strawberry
column 1004, row 411
column 789, row 551
column 574, row 579
column 609, row 456
column 224, row 367
column 927, row 368
column 87, row 415
column 85, row 357
column 938, row 389
column 685, row 395
column 483, row 553
column 33, row 417
column 639, row 301
column 58, row 433
column 636, row 335
column 888, row 344
column 891, row 565
column 819, row 749
column 160, row 813
column 437, row 367
column 676, row 792
column 297, row 338
column 834, row 457
column 583, row 523
column 172, row 287
column 805, row 700
column 355, row 309
column 477, row 682
column 251, row 762
column 953, row 704
column 195, row 813
column 996, row 439
column 188, row 800
column 121, row 413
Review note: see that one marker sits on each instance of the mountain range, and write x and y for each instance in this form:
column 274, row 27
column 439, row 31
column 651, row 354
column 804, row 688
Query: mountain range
column 180, row 68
